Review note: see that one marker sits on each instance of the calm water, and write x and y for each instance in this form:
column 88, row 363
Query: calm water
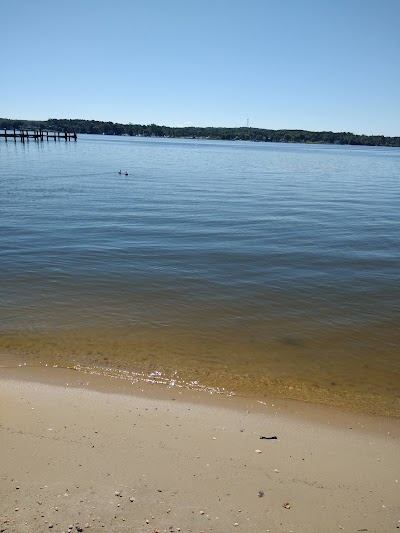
column 259, row 268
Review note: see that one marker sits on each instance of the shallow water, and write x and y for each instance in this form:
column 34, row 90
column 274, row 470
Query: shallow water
column 258, row 268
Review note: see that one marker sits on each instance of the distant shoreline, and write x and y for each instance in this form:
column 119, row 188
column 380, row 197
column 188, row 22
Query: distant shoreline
column 211, row 133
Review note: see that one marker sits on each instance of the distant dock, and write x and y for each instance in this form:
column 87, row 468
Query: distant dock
column 37, row 135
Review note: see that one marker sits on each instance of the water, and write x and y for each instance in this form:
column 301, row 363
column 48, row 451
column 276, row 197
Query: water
column 257, row 268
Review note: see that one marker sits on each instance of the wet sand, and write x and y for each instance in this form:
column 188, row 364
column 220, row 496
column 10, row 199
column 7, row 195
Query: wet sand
column 97, row 453
column 226, row 362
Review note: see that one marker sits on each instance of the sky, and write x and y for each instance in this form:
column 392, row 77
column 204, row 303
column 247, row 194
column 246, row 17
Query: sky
column 317, row 65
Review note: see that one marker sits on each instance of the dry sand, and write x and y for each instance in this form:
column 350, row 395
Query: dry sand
column 103, row 455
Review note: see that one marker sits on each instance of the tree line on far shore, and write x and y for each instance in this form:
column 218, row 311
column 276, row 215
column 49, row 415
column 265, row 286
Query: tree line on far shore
column 192, row 132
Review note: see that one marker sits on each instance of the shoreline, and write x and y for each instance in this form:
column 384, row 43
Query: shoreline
column 71, row 441
column 280, row 387
column 121, row 383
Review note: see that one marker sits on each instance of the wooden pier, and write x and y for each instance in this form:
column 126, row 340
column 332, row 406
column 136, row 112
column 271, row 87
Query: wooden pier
column 37, row 135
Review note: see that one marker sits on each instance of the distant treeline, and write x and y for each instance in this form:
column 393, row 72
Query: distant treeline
column 225, row 134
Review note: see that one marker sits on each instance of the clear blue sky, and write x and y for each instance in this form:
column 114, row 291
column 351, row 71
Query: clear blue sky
column 306, row 64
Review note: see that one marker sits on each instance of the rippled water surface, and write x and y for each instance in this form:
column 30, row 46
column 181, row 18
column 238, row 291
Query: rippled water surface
column 259, row 268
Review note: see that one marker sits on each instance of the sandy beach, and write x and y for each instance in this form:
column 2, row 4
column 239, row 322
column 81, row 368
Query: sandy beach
column 87, row 452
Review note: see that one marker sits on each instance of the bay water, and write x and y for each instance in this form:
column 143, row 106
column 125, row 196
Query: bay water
column 256, row 268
